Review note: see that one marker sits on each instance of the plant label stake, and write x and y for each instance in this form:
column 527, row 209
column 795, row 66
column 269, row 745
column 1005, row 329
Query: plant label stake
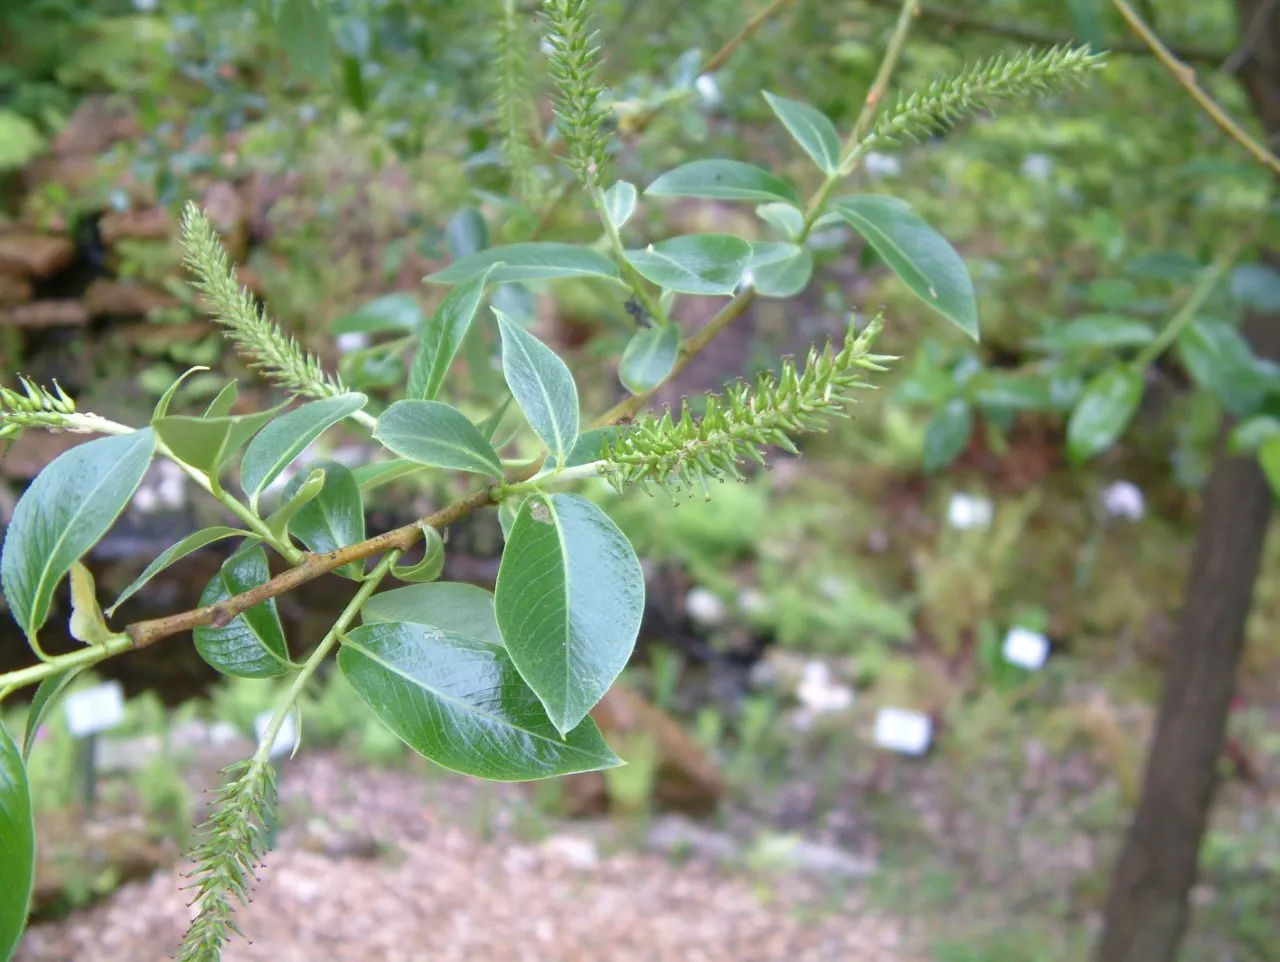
column 89, row 713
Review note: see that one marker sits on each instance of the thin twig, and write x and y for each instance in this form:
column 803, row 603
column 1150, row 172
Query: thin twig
column 1187, row 77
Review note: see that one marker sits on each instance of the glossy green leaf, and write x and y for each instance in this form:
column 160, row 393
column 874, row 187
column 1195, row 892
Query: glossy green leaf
column 300, row 494
column 17, row 845
column 588, row 446
column 459, row 702
column 277, row 445
column 334, row 518
column 1100, row 332
column 1220, row 360
column 302, row 27
column 432, row 564
column 919, row 255
column 174, row 553
column 812, row 130
column 252, row 644
column 620, row 203
column 162, row 406
column 42, row 702
column 947, row 434
column 542, row 385
column 448, row 605
column 378, row 473
column 222, row 402
column 780, row 269
column 206, row 443
column 569, row 600
column 466, row 233
column 1257, row 287
column 65, row 511
column 442, row 336
column 438, row 435
column 723, row 180
column 531, row 261
column 787, row 219
column 1103, row 411
column 392, row 313
column 1269, row 461
column 649, row 358
column 694, row 263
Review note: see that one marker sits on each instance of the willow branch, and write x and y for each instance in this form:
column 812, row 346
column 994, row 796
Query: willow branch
column 1187, row 77
column 1029, row 33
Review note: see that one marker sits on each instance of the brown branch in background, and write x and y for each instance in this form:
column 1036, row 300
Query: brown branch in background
column 1187, row 77
column 1029, row 33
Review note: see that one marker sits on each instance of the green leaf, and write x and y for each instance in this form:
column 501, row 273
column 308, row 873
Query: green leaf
column 206, row 443
column 1251, row 434
column 947, row 434
column 588, row 447
column 811, row 129
column 432, row 563
column 334, row 518
column 65, row 511
column 466, row 233
column 780, row 269
column 449, row 605
column 919, row 255
column 489, row 426
column 162, row 406
column 569, row 599
column 1220, row 360
column 1101, row 332
column 1269, row 460
column 303, row 29
column 532, row 261
column 222, row 403
column 1011, row 392
column 391, row 313
column 507, row 511
column 620, row 203
column 694, row 263
column 442, row 336
column 294, row 500
column 542, row 385
column 649, row 358
column 378, row 473
column 787, row 219
column 252, row 644
column 42, row 702
column 1086, row 15
column 18, row 845
column 276, row 446
column 1257, row 287
column 175, row 553
column 1103, row 411
column 459, row 702
column 438, row 435
column 723, row 180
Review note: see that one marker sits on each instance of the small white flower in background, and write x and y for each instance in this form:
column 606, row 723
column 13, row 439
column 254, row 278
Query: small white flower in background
column 903, row 731
column 879, row 165
column 705, row 607
column 347, row 343
column 1036, row 167
column 1026, row 648
column 708, row 90
column 966, row 511
column 1123, row 499
column 819, row 694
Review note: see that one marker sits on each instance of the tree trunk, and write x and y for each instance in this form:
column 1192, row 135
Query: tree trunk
column 1147, row 910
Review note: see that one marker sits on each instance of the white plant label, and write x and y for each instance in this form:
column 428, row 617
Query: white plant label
column 903, row 731
column 95, row 709
column 286, row 738
column 1026, row 648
